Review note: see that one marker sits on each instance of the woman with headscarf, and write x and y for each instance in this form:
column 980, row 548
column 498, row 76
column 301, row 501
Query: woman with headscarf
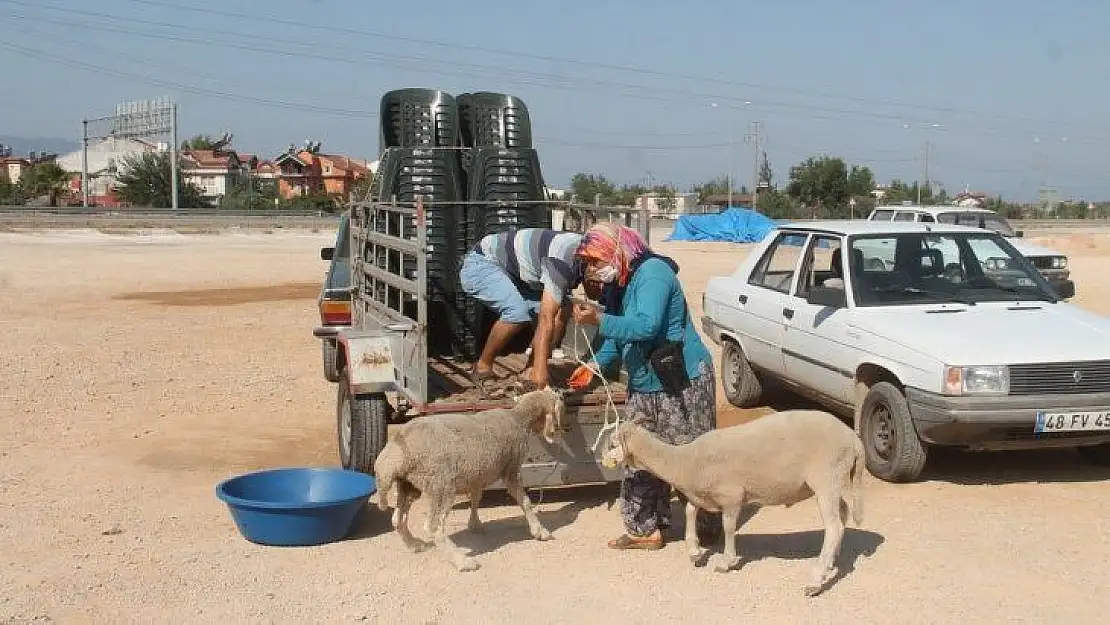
column 647, row 326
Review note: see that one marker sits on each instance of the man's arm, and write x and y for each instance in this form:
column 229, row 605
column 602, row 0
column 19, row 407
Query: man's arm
column 550, row 307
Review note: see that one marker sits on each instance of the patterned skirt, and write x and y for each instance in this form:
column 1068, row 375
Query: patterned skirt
column 645, row 500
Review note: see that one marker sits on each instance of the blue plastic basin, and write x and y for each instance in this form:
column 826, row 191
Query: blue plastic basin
column 296, row 506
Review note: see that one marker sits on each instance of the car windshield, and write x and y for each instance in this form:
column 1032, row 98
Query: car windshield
column 988, row 221
column 927, row 268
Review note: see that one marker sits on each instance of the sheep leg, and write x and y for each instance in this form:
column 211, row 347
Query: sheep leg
column 401, row 522
column 437, row 525
column 730, row 518
column 824, row 570
column 697, row 552
column 475, row 524
column 516, row 490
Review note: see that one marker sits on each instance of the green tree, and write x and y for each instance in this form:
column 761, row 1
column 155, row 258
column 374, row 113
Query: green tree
column 249, row 195
column 766, row 174
column 716, row 186
column 824, row 185
column 777, row 205
column 667, row 198
column 9, row 193
column 315, row 201
column 145, row 180
column 45, row 179
column 586, row 187
column 199, row 142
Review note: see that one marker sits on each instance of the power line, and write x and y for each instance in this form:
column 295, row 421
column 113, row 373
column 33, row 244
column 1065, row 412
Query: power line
column 576, row 62
column 393, row 60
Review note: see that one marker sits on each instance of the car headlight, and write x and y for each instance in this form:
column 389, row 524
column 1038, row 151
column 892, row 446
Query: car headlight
column 977, row 380
column 1059, row 262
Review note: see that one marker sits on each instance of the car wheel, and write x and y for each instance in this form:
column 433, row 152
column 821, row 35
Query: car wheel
column 1096, row 454
column 893, row 451
column 329, row 350
column 362, row 422
column 741, row 385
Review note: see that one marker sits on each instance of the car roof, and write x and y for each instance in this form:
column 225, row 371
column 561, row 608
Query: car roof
column 864, row 226
column 934, row 210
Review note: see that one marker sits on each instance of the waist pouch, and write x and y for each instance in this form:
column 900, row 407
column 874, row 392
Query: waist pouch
column 669, row 364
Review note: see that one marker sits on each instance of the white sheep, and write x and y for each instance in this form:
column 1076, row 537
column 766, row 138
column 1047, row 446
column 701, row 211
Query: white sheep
column 446, row 455
column 779, row 459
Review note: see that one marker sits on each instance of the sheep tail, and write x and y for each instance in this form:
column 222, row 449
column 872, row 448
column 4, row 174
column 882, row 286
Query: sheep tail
column 856, row 504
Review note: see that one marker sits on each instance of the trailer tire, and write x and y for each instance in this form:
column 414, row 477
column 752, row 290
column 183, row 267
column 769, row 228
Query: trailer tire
column 362, row 424
column 329, row 350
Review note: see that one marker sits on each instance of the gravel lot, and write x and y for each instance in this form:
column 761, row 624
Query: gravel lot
column 136, row 372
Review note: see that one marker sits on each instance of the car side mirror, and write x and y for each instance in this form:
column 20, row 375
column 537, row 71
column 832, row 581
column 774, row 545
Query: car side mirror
column 326, row 253
column 828, row 296
column 1066, row 289
column 1020, row 233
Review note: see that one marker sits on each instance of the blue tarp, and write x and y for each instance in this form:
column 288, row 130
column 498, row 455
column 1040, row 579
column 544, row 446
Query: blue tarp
column 735, row 225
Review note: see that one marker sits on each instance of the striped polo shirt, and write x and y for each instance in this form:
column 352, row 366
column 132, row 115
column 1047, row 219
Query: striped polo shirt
column 542, row 259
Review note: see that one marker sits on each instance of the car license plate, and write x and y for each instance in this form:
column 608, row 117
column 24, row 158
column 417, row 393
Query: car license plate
column 1072, row 421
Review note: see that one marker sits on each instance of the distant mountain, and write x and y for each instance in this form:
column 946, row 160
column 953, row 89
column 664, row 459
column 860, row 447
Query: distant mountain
column 21, row 146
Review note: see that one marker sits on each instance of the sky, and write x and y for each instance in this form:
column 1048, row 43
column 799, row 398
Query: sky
column 1006, row 96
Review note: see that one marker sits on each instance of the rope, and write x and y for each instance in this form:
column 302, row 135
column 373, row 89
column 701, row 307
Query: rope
column 610, row 404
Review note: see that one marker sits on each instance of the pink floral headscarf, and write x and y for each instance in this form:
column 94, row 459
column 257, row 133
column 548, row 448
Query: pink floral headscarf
column 615, row 244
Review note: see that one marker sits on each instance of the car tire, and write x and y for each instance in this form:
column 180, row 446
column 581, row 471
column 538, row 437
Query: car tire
column 742, row 386
column 893, row 451
column 1096, row 454
column 329, row 350
column 362, row 423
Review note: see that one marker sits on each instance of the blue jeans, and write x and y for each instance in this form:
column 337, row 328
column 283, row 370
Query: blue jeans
column 485, row 280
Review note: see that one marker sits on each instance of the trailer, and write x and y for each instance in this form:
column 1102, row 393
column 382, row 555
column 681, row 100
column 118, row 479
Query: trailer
column 388, row 374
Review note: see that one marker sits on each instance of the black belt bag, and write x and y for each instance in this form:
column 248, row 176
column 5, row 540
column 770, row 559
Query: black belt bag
column 669, row 364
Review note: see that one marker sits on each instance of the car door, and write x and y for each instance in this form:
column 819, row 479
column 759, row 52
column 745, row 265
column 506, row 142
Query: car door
column 762, row 299
column 817, row 351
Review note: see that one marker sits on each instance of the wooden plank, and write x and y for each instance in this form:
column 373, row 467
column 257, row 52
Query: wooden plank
column 448, row 381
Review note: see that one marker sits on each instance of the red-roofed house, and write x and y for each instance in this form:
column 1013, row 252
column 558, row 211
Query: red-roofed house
column 213, row 171
column 305, row 171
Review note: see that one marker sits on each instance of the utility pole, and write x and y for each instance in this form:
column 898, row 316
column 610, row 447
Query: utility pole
column 173, row 158
column 85, row 163
column 754, row 137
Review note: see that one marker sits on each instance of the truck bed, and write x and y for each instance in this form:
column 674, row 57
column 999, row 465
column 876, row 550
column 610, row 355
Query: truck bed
column 450, row 389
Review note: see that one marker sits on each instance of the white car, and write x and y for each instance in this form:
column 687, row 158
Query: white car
column 931, row 350
column 1052, row 264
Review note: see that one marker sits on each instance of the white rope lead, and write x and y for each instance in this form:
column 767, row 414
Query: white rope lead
column 611, row 405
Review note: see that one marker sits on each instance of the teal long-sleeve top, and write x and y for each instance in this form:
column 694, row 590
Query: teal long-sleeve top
column 653, row 310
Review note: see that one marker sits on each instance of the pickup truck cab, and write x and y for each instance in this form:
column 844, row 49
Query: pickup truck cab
column 928, row 350
column 1052, row 264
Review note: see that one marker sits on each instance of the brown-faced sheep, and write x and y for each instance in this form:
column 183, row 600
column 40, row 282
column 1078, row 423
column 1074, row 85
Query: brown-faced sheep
column 779, row 459
column 446, row 455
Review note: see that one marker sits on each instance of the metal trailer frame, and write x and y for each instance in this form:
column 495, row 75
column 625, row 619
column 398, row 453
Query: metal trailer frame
column 385, row 352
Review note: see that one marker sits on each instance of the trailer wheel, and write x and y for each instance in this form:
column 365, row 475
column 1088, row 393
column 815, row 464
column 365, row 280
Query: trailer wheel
column 362, row 422
column 329, row 350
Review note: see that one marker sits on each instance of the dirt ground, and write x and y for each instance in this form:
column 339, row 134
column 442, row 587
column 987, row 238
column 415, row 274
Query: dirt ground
column 137, row 371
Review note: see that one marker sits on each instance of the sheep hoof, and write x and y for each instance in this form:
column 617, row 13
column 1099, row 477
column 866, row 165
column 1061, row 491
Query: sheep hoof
column 697, row 554
column 812, row 590
column 465, row 565
column 477, row 528
column 725, row 564
column 421, row 546
column 542, row 534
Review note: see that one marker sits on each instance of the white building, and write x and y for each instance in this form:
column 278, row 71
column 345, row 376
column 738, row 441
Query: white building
column 684, row 204
column 105, row 157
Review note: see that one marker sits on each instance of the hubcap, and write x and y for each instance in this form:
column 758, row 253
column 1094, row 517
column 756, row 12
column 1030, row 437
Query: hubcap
column 882, row 431
column 732, row 372
column 345, row 431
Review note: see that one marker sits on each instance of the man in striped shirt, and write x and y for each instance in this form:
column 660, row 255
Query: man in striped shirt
column 520, row 274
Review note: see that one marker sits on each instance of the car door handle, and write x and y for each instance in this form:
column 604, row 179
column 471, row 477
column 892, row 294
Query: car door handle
column 743, row 299
column 788, row 313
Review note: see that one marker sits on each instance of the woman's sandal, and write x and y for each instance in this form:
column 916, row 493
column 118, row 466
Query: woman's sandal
column 624, row 541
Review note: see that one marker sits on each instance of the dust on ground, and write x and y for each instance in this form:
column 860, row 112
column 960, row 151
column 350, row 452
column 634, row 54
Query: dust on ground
column 121, row 413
